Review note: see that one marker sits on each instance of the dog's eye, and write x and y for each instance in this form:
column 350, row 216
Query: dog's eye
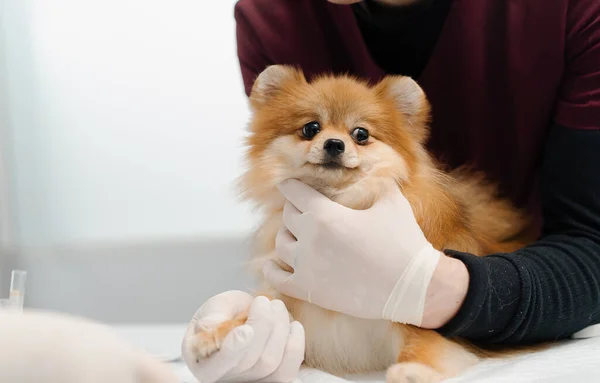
column 310, row 130
column 360, row 135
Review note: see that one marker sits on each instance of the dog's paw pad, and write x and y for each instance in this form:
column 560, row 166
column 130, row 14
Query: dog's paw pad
column 205, row 343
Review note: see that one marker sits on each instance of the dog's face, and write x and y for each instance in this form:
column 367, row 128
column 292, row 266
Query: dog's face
column 335, row 133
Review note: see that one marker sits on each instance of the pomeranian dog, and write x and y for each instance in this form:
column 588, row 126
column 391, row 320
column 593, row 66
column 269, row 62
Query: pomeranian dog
column 352, row 142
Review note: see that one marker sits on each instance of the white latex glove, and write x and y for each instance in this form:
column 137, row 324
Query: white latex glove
column 50, row 347
column 371, row 264
column 268, row 348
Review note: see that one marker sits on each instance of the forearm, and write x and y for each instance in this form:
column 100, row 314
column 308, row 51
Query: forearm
column 544, row 292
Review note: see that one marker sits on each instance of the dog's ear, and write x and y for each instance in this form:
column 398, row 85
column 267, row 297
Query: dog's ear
column 272, row 80
column 410, row 100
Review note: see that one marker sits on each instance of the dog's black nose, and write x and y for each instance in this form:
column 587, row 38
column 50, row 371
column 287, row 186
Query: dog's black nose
column 334, row 147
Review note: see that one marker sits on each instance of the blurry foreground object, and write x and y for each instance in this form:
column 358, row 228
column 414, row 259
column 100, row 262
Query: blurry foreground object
column 40, row 346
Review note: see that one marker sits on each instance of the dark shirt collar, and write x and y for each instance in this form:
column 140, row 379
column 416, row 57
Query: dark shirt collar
column 390, row 18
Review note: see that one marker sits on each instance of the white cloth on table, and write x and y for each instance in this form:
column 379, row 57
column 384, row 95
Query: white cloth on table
column 571, row 361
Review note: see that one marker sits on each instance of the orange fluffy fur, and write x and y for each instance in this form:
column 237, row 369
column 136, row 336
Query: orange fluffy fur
column 456, row 210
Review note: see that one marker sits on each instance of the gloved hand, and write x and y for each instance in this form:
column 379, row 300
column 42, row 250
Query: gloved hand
column 51, row 347
column 268, row 348
column 373, row 264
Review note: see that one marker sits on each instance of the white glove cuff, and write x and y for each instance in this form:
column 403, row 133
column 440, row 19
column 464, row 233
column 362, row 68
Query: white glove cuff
column 406, row 302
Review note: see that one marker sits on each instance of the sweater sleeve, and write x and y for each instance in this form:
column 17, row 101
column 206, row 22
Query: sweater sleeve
column 550, row 289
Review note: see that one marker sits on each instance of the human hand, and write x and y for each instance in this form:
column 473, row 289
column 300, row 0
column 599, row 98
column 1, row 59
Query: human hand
column 42, row 346
column 265, row 347
column 371, row 264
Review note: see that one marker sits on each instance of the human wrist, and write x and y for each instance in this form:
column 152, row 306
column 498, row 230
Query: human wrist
column 446, row 292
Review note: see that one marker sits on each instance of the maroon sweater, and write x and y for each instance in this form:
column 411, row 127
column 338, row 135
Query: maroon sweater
column 508, row 82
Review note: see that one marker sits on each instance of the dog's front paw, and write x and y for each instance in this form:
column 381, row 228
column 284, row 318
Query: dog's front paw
column 412, row 373
column 208, row 341
column 205, row 343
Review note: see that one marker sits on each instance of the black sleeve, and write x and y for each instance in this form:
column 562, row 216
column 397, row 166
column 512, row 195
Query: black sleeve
column 551, row 289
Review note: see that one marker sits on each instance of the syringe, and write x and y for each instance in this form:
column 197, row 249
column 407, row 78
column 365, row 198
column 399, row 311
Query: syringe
column 17, row 289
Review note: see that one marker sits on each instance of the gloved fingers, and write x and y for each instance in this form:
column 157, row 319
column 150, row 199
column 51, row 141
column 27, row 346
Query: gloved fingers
column 233, row 350
column 290, row 218
column 260, row 317
column 293, row 356
column 281, row 281
column 272, row 354
column 220, row 308
column 285, row 246
column 303, row 197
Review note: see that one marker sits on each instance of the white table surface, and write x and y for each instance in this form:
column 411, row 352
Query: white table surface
column 573, row 361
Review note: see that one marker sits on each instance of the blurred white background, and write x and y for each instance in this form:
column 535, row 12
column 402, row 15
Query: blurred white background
column 121, row 136
column 122, row 120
